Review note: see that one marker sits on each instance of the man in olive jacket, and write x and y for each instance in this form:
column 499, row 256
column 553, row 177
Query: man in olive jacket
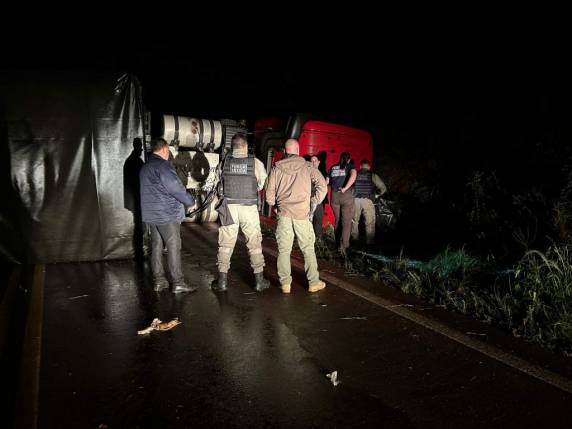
column 289, row 188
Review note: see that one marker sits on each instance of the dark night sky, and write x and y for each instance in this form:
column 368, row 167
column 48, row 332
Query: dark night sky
column 407, row 80
column 443, row 97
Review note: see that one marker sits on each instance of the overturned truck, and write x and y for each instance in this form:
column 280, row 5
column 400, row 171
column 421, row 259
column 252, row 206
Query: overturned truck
column 73, row 144
column 198, row 146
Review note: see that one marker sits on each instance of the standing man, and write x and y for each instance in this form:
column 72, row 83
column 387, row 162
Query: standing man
column 243, row 176
column 289, row 188
column 164, row 200
column 364, row 192
column 341, row 179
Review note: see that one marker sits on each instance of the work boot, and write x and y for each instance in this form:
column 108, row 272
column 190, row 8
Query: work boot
column 160, row 285
column 261, row 282
column 219, row 285
column 183, row 287
column 315, row 287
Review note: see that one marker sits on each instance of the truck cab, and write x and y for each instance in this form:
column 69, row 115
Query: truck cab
column 316, row 137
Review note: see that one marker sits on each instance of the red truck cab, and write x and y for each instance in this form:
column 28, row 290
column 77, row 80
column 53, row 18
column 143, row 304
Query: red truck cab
column 316, row 137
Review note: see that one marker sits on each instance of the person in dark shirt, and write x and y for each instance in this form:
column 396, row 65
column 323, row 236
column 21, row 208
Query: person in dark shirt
column 341, row 179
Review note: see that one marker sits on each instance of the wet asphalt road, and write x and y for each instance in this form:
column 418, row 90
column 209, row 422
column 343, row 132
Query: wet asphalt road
column 243, row 359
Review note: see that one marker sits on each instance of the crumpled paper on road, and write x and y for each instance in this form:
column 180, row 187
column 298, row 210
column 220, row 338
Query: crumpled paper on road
column 157, row 325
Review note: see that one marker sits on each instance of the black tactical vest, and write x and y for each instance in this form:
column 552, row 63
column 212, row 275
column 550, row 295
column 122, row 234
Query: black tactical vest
column 239, row 181
column 363, row 186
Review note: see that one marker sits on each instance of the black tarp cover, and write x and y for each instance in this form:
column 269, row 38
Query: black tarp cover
column 71, row 150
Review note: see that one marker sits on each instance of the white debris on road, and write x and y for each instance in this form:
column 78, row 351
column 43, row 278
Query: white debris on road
column 333, row 376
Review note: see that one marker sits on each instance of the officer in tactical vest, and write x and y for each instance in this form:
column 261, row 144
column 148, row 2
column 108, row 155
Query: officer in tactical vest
column 242, row 177
column 364, row 192
column 341, row 180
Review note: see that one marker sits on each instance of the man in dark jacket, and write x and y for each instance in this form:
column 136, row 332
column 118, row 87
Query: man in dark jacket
column 164, row 200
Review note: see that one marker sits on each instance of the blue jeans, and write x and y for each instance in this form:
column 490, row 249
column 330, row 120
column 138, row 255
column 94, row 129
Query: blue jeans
column 170, row 234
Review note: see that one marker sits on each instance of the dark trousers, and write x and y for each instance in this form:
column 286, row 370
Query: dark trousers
column 343, row 207
column 170, row 235
column 317, row 220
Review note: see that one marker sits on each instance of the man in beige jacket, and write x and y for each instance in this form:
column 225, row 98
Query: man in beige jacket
column 289, row 189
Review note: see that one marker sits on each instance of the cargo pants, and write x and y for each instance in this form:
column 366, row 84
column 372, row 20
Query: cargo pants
column 364, row 206
column 246, row 218
column 303, row 230
column 343, row 208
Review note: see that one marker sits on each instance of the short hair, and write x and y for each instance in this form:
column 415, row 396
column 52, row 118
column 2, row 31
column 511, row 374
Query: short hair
column 239, row 140
column 364, row 161
column 158, row 144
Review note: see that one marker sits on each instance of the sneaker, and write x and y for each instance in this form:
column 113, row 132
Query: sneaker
column 183, row 287
column 316, row 286
column 285, row 288
column 161, row 285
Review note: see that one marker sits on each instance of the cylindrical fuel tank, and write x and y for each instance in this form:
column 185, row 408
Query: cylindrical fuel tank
column 192, row 133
